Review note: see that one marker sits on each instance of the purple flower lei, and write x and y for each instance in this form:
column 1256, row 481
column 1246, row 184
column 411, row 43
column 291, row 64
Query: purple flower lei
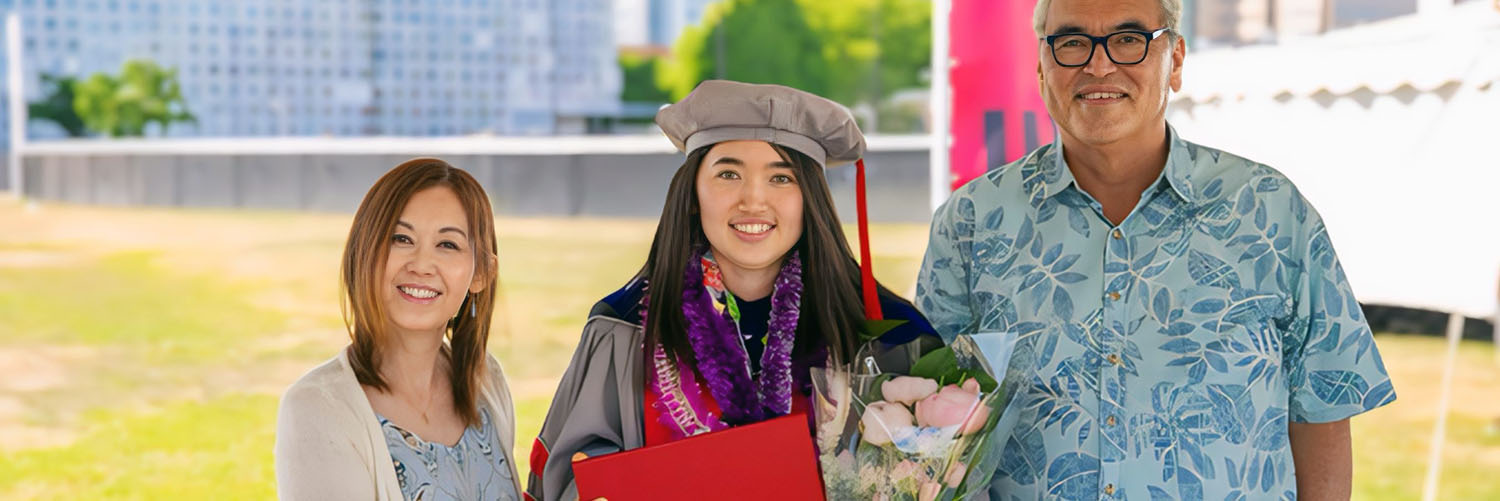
column 677, row 398
column 776, row 362
column 724, row 364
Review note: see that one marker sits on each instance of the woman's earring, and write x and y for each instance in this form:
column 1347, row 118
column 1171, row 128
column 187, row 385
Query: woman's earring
column 473, row 313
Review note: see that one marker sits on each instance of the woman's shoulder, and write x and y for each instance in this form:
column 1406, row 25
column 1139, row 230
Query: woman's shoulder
column 320, row 389
column 321, row 448
column 623, row 304
column 610, row 339
column 616, row 318
column 603, row 334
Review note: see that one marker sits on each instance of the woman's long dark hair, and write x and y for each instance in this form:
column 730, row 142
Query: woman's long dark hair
column 832, row 313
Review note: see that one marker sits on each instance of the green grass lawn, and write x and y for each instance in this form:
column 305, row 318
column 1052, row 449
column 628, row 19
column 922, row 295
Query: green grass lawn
column 143, row 351
column 174, row 319
column 214, row 449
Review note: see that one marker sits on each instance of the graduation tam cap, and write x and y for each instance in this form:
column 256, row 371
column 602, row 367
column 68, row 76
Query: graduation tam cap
column 723, row 110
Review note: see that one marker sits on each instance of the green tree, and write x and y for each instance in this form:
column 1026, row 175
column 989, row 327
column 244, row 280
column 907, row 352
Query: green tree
column 856, row 52
column 142, row 94
column 57, row 107
column 757, row 41
column 639, row 72
column 877, row 47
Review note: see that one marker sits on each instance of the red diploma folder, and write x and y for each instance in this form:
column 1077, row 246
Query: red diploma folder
column 772, row 459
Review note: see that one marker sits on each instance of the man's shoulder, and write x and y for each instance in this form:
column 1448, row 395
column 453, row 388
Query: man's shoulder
column 1011, row 174
column 1221, row 175
column 1226, row 185
column 1003, row 185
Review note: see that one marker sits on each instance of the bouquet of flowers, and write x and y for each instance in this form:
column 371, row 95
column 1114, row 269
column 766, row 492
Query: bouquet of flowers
column 926, row 435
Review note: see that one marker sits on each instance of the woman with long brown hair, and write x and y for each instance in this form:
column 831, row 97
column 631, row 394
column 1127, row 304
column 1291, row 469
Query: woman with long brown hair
column 749, row 283
column 414, row 407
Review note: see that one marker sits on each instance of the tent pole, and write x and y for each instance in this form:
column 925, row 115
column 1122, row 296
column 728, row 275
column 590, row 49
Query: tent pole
column 1439, row 430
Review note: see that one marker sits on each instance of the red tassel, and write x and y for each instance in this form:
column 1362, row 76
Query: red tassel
column 866, row 266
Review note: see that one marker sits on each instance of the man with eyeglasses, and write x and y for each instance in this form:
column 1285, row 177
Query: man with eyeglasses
column 1186, row 329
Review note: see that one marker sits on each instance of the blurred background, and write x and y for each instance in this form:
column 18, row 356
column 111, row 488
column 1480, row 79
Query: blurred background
column 179, row 177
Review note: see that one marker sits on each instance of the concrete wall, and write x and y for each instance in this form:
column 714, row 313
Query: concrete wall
column 630, row 184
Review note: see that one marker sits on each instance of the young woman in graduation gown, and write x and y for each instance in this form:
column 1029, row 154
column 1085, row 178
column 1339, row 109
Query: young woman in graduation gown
column 749, row 283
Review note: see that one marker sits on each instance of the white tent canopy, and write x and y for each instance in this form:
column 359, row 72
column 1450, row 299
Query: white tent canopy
column 1392, row 130
column 1423, row 52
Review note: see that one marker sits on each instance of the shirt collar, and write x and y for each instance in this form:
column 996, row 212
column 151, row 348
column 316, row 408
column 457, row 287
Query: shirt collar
column 1179, row 169
column 1056, row 177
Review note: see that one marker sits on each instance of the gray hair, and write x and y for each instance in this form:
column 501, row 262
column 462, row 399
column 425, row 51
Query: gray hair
column 1171, row 11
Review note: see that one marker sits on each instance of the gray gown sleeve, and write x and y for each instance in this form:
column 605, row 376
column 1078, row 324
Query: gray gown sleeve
column 596, row 410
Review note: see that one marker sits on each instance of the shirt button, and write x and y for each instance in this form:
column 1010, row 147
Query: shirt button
column 1109, row 489
column 1116, row 234
column 1113, row 359
column 1114, row 296
column 1109, row 421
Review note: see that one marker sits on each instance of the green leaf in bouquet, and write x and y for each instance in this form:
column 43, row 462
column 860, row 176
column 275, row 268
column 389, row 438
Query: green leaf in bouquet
column 873, row 329
column 875, row 393
column 986, row 383
column 935, row 364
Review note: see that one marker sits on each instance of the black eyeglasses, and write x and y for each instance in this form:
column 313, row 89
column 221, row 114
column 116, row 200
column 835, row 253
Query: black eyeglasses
column 1122, row 47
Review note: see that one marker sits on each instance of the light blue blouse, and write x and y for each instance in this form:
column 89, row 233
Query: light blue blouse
column 474, row 468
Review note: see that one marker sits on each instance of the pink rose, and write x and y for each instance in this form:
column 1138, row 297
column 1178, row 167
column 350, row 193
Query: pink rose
column 952, row 406
column 904, row 469
column 882, row 420
column 955, row 474
column 929, row 491
column 908, row 390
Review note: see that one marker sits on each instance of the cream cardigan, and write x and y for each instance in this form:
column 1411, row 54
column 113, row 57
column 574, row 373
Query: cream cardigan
column 329, row 444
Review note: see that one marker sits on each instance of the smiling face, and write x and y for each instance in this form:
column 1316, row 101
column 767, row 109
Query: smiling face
column 1102, row 102
column 430, row 268
column 750, row 205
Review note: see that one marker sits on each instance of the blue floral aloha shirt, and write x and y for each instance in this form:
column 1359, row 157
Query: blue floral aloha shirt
column 1161, row 358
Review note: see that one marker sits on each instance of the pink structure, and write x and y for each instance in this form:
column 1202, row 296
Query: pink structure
column 998, row 115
